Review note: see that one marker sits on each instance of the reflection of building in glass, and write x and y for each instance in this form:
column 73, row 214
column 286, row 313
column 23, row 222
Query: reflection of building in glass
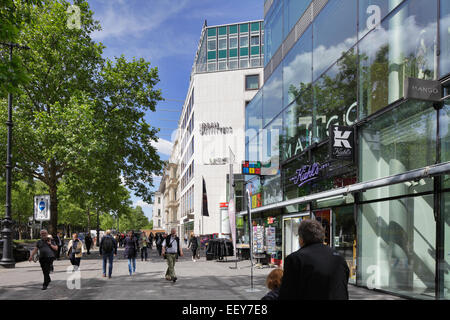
column 344, row 63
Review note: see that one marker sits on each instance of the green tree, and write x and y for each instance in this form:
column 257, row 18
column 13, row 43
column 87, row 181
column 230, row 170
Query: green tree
column 81, row 116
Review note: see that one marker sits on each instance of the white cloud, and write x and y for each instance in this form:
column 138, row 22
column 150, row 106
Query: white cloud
column 122, row 20
column 142, row 204
column 163, row 146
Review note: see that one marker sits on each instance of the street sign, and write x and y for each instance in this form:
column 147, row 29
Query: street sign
column 42, row 208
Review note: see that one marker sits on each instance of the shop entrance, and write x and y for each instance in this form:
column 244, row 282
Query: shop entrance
column 290, row 233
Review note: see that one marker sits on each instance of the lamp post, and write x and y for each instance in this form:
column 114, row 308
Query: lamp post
column 7, row 260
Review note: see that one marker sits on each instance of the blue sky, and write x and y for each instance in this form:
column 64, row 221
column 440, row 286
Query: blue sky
column 166, row 33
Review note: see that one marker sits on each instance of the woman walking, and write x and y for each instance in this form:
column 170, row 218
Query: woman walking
column 75, row 251
column 193, row 244
column 130, row 252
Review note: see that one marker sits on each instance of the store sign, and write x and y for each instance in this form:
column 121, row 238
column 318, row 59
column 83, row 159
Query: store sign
column 251, row 167
column 256, row 201
column 42, row 208
column 213, row 128
column 426, row 90
column 342, row 144
column 223, row 205
column 308, row 173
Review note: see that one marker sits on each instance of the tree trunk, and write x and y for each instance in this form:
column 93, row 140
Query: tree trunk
column 89, row 220
column 53, row 227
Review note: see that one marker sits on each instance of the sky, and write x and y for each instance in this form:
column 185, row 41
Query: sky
column 166, row 33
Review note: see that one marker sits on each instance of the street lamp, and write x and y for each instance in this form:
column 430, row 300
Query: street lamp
column 7, row 260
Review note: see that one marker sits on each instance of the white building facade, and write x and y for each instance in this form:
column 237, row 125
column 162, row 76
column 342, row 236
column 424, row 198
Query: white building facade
column 227, row 74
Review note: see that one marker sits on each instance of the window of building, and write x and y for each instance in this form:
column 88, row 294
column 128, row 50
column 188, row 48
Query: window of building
column 159, row 212
column 233, row 29
column 252, row 82
column 233, row 42
column 273, row 30
column 222, row 44
column 384, row 67
column 159, row 200
column 243, row 28
column 272, row 95
column 243, row 63
column 233, row 62
column 212, row 45
column 254, row 41
column 244, row 41
column 329, row 46
column 255, row 62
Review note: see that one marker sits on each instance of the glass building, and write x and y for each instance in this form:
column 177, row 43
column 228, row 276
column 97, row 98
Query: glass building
column 344, row 63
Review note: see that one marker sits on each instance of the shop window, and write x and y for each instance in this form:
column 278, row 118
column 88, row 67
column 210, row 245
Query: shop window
column 405, row 47
column 397, row 246
column 329, row 46
column 400, row 140
column 252, row 82
column 297, row 68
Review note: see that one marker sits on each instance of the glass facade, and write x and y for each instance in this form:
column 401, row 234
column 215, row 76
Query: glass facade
column 348, row 68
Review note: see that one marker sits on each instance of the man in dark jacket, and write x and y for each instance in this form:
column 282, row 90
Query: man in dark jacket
column 315, row 271
column 108, row 249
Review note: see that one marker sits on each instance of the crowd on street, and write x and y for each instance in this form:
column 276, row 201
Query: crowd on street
column 315, row 271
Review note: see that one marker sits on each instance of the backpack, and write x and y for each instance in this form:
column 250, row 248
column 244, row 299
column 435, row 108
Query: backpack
column 108, row 245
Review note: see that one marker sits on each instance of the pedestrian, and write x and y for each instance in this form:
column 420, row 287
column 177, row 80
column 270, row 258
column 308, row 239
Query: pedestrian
column 171, row 249
column 108, row 249
column 150, row 240
column 273, row 283
column 88, row 242
column 315, row 271
column 143, row 243
column 75, row 251
column 159, row 242
column 53, row 259
column 185, row 239
column 47, row 251
column 130, row 252
column 59, row 243
column 193, row 244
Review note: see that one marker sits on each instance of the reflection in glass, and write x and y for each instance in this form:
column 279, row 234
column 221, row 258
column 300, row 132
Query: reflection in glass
column 297, row 67
column 293, row 10
column 253, row 116
column 400, row 140
column 397, row 250
column 445, row 38
column 335, row 96
column 272, row 95
column 403, row 46
column 273, row 30
column 340, row 16
column 445, row 263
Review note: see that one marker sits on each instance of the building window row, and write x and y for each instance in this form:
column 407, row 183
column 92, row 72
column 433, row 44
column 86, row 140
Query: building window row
column 189, row 108
column 187, row 202
column 188, row 175
column 188, row 155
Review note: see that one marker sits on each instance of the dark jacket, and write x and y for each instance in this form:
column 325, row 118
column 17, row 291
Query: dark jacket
column 130, row 247
column 193, row 243
column 315, row 272
column 114, row 244
column 272, row 295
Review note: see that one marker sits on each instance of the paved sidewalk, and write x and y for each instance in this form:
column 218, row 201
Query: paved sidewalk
column 201, row 280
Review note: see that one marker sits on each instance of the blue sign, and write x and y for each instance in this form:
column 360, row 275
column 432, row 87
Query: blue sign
column 41, row 205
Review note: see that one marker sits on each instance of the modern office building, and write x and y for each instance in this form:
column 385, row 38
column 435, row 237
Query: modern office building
column 226, row 74
column 379, row 182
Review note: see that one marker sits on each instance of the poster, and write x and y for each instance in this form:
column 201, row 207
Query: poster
column 258, row 239
column 270, row 240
